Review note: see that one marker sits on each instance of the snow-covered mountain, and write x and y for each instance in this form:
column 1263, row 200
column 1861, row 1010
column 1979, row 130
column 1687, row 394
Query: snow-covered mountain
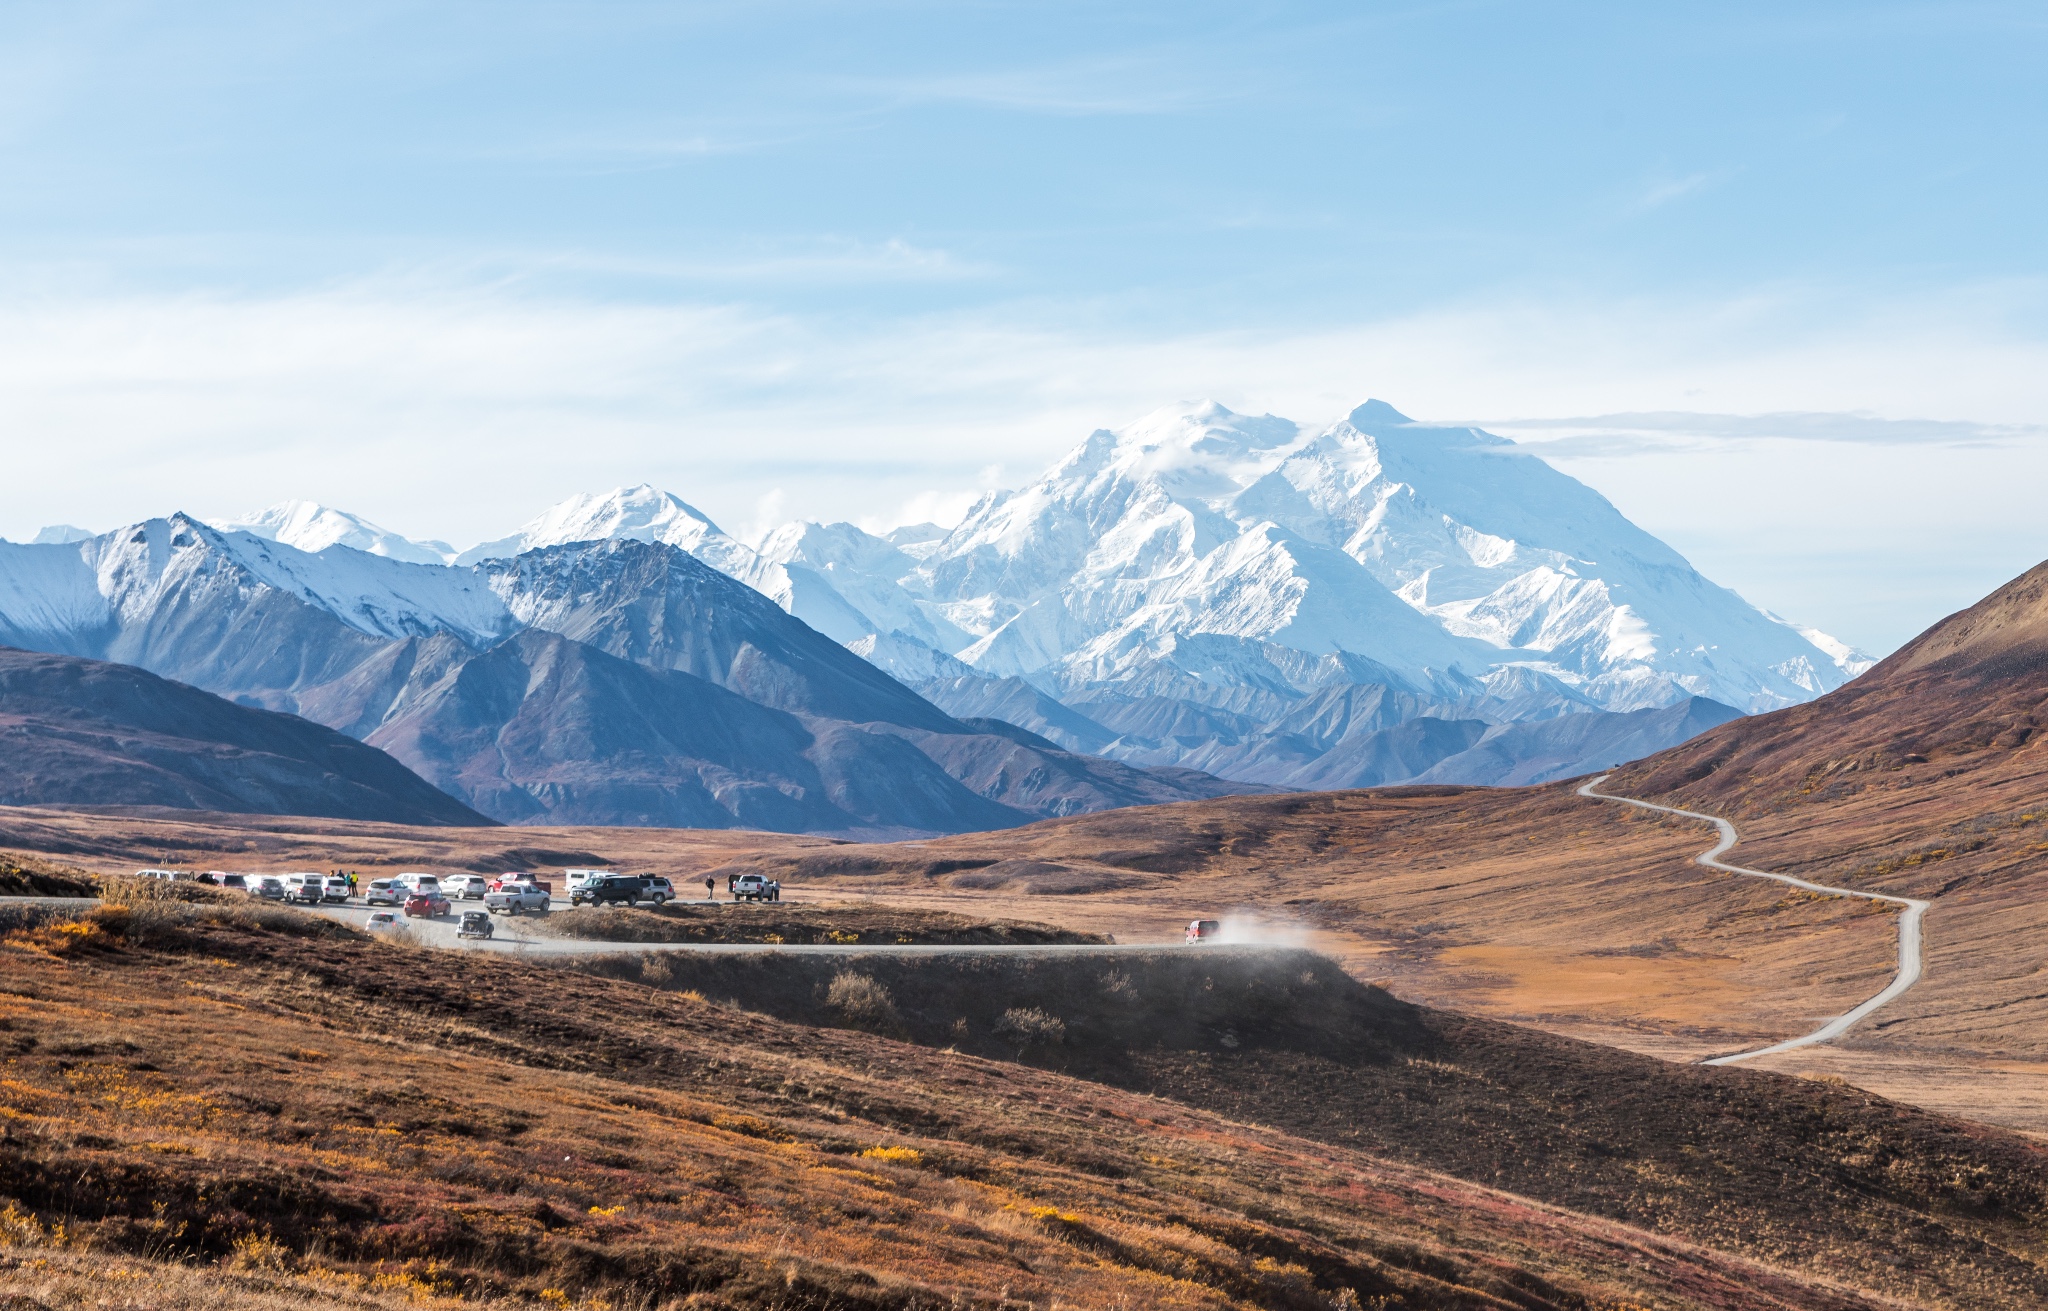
column 606, row 681
column 1423, row 549
column 1188, row 583
column 313, row 527
column 640, row 514
column 1239, row 594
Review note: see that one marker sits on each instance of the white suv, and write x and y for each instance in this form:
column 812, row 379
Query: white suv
column 659, row 890
column 335, row 888
column 468, row 887
column 418, row 882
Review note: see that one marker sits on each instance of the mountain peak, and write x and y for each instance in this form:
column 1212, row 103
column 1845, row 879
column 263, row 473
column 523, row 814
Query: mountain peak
column 1377, row 414
column 313, row 527
column 642, row 512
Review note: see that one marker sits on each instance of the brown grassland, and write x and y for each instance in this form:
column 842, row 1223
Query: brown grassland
column 309, row 1117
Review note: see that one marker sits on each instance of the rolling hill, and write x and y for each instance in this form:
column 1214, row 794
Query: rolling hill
column 76, row 732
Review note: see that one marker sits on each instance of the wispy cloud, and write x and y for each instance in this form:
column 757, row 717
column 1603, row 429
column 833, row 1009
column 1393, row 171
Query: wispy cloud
column 1125, row 85
column 1667, row 190
column 1663, row 431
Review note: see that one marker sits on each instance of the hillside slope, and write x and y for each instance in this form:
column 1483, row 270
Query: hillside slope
column 76, row 732
column 1927, row 778
column 666, row 1147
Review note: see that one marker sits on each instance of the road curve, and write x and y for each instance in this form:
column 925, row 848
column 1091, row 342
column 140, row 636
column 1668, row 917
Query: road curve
column 1909, row 925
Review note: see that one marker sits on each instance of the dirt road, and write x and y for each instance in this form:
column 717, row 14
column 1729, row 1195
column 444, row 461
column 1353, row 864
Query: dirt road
column 1909, row 924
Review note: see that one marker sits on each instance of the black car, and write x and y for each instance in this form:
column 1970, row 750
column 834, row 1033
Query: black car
column 611, row 890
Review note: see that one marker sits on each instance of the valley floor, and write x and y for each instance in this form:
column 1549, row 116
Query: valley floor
column 1584, row 918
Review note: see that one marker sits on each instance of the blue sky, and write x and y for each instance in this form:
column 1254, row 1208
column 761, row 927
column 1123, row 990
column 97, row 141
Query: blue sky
column 1771, row 276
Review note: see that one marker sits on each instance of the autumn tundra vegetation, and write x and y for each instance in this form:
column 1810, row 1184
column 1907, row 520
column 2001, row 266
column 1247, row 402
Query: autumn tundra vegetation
column 209, row 1103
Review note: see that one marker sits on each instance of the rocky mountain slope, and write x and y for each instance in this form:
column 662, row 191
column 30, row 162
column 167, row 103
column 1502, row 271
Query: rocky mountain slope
column 77, row 732
column 494, row 681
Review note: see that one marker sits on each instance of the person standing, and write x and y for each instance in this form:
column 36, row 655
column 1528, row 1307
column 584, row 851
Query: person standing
column 710, row 888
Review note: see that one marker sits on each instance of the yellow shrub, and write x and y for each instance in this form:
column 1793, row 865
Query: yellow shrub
column 900, row 1155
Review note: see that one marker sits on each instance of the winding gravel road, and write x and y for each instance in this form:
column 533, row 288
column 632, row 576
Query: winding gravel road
column 1909, row 924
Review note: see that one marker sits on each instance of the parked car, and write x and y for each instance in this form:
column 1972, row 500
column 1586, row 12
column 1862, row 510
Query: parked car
column 517, row 899
column 384, row 892
column 755, row 887
column 308, row 888
column 418, row 882
column 611, row 890
column 384, row 921
column 235, row 881
column 659, row 890
column 335, row 888
column 576, row 878
column 267, row 886
column 465, row 887
column 1203, row 930
column 165, row 874
column 429, row 904
column 517, row 878
column 475, row 924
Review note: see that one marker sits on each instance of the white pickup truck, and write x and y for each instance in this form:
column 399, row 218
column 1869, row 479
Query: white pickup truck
column 516, row 899
column 754, row 887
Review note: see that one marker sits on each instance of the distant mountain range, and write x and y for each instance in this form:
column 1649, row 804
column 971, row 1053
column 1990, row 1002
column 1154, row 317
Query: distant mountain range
column 1199, row 596
column 86, row 732
column 607, row 682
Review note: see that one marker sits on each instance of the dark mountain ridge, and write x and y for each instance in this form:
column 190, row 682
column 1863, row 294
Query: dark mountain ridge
column 89, row 732
column 601, row 682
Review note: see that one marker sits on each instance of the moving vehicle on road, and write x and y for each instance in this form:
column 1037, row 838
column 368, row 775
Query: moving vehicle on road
column 517, row 899
column 1203, row 930
column 465, row 887
column 610, row 890
column 429, row 904
column 385, row 892
column 474, row 924
column 755, row 887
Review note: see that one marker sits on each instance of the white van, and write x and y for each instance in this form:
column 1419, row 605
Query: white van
column 576, row 878
column 311, row 888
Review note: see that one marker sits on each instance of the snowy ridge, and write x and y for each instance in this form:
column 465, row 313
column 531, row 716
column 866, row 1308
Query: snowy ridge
column 68, row 592
column 313, row 527
column 1303, row 606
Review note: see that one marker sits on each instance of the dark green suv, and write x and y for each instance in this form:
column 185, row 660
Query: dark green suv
column 611, row 890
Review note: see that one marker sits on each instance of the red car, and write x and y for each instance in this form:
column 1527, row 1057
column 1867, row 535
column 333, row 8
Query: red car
column 500, row 883
column 426, row 903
